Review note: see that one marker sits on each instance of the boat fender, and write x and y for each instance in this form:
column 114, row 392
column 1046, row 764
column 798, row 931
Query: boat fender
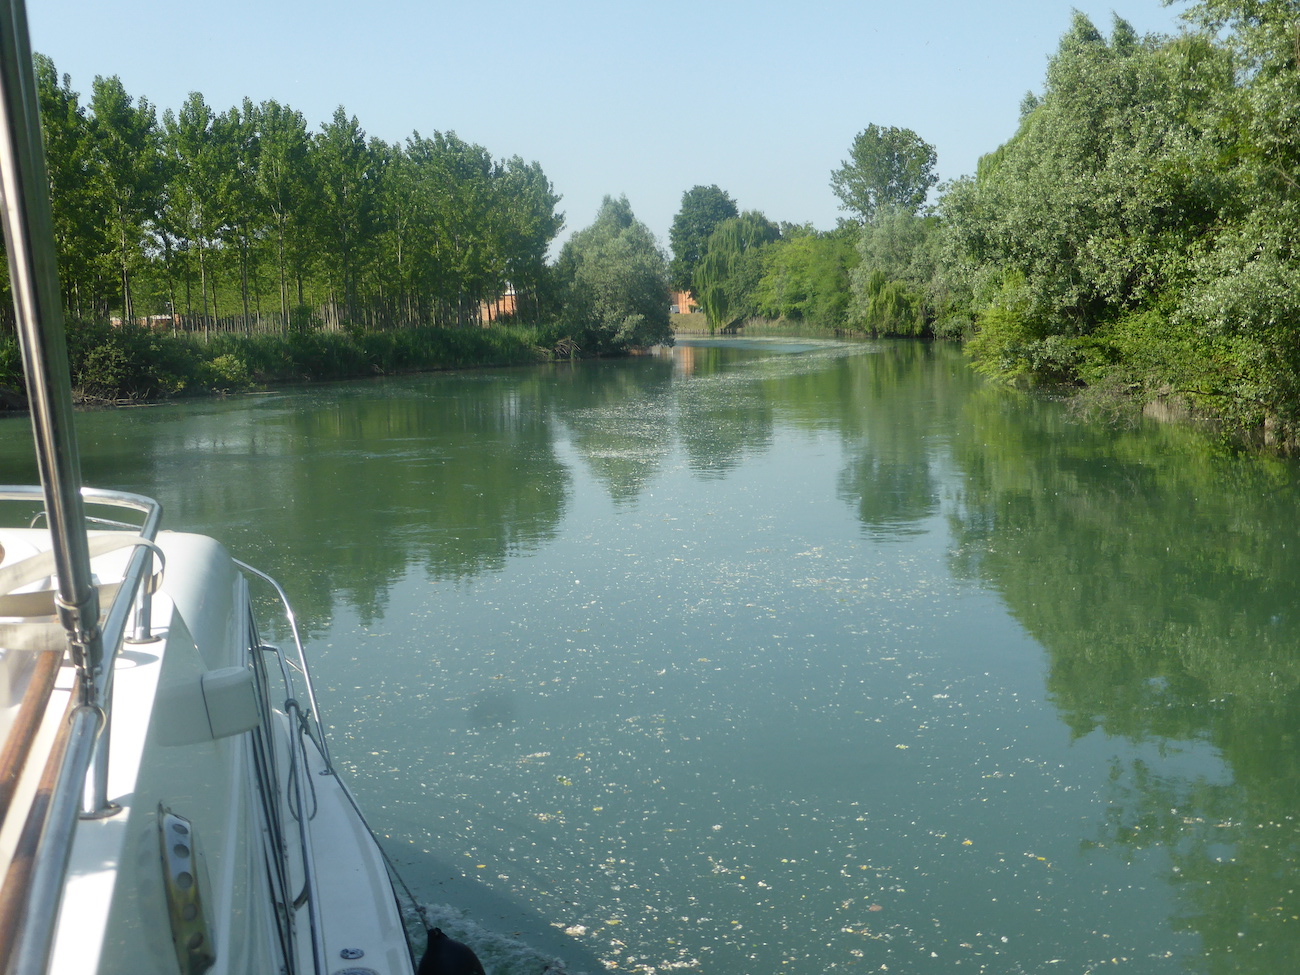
column 447, row 957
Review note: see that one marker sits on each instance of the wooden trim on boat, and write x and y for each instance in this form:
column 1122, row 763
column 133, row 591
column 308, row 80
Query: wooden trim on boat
column 22, row 736
column 15, row 895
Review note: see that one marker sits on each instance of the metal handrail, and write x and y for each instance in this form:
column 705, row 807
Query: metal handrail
column 301, row 725
column 302, row 659
column 38, row 304
column 95, row 795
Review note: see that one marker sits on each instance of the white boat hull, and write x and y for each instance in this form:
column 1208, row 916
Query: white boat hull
column 208, row 896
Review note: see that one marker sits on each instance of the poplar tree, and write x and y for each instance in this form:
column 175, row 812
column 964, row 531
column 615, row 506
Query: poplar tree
column 81, row 220
column 127, row 171
column 349, row 183
column 199, row 168
column 887, row 167
column 283, row 185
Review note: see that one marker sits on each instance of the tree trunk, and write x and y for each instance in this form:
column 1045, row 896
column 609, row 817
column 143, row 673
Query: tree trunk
column 243, row 284
column 203, row 289
column 126, row 279
column 284, row 285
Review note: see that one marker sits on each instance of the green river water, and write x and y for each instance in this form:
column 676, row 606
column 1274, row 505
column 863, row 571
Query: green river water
column 778, row 656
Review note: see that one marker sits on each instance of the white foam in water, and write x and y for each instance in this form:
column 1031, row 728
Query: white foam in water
column 500, row 955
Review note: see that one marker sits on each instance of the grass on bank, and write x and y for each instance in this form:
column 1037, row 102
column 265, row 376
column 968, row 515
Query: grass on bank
column 114, row 363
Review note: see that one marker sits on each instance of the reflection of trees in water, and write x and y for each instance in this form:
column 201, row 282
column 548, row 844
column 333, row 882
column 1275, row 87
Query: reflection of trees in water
column 888, row 407
column 1161, row 578
column 891, row 498
column 339, row 491
column 619, row 421
column 722, row 420
column 887, row 474
column 723, row 411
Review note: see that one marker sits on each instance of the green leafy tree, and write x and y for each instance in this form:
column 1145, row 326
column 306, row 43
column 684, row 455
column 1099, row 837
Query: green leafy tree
column 401, row 207
column 1101, row 205
column 898, row 286
column 349, row 184
column 464, row 264
column 616, row 281
column 199, row 166
column 1262, row 37
column 887, row 167
column 247, row 221
column 703, row 208
column 283, row 183
column 806, row 277
column 1241, row 298
column 527, row 201
column 248, row 208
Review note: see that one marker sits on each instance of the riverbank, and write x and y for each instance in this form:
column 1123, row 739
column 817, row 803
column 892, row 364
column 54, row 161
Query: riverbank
column 113, row 364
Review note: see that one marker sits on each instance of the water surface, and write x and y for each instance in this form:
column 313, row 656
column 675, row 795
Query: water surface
column 779, row 656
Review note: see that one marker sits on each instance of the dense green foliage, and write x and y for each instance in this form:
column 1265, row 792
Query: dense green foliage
column 880, row 275
column 805, row 278
column 244, row 220
column 1139, row 233
column 614, row 280
column 240, row 248
column 899, row 285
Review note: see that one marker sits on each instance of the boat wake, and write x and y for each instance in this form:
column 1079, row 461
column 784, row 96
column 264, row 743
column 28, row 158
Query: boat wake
column 499, row 954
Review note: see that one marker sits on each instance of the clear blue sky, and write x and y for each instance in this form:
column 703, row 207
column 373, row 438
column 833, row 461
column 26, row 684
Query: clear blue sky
column 762, row 97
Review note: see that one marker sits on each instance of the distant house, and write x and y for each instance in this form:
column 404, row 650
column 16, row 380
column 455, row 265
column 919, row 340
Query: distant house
column 682, row 303
column 147, row 321
column 490, row 311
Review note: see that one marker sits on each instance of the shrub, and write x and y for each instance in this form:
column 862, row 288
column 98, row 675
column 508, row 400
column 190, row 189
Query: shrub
column 227, row 373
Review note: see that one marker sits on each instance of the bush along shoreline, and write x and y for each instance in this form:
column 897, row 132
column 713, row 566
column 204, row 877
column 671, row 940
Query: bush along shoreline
column 115, row 364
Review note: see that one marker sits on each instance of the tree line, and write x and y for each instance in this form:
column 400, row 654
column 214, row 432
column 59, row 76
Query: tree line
column 205, row 250
column 1138, row 235
column 875, row 273
column 247, row 220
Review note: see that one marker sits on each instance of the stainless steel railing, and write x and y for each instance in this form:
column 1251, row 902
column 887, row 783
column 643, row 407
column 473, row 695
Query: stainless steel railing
column 301, row 722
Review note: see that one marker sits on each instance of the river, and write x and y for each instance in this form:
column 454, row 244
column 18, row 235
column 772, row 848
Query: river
column 778, row 655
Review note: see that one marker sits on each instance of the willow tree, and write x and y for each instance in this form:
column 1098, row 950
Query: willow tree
column 703, row 208
column 727, row 277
